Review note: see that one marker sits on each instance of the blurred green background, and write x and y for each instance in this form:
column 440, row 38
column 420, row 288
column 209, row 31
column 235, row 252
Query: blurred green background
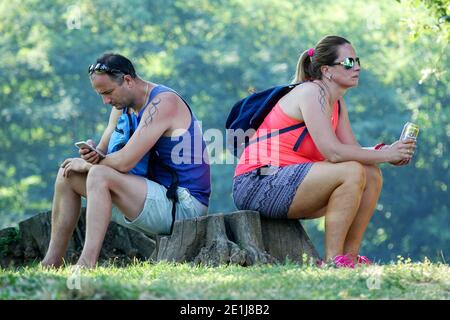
column 212, row 52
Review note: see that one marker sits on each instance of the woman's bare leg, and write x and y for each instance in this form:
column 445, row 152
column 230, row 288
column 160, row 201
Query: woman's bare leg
column 339, row 188
column 372, row 190
column 365, row 211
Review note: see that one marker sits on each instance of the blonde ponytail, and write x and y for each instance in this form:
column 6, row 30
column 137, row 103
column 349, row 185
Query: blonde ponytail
column 302, row 73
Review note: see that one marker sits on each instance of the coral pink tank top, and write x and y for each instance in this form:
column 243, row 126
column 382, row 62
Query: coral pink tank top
column 279, row 150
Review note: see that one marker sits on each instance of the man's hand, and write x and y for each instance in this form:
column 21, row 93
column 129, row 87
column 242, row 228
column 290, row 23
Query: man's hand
column 75, row 165
column 88, row 155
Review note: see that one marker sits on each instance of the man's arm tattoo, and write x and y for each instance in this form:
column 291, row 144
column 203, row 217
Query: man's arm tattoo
column 152, row 110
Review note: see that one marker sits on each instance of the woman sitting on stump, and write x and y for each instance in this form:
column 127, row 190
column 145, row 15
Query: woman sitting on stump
column 329, row 174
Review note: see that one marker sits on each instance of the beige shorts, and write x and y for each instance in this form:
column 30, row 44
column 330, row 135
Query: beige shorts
column 156, row 216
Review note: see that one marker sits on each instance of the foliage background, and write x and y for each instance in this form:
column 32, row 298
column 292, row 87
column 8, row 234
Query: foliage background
column 212, row 52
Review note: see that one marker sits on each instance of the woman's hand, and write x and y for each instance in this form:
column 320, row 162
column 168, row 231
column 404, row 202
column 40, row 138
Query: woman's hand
column 395, row 163
column 75, row 165
column 401, row 152
column 400, row 163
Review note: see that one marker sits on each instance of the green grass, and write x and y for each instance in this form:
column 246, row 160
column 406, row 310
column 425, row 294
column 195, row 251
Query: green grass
column 400, row 280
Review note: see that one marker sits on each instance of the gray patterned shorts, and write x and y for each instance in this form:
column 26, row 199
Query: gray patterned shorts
column 269, row 190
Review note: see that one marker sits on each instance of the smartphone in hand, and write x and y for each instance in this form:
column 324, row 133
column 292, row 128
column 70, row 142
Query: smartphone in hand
column 85, row 145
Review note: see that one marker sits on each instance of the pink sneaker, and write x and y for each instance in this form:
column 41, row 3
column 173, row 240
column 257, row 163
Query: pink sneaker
column 344, row 261
column 364, row 260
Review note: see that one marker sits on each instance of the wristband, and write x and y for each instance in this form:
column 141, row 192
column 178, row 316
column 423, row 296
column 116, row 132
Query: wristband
column 379, row 146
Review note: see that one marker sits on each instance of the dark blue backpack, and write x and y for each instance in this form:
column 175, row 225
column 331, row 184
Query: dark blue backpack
column 250, row 112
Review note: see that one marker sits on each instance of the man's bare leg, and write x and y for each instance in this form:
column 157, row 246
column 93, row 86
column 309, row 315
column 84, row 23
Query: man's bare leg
column 104, row 187
column 65, row 215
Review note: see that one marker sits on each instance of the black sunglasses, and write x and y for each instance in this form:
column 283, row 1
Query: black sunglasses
column 102, row 68
column 348, row 63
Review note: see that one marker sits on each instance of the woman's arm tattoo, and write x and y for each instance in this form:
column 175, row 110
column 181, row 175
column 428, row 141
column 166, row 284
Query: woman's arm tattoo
column 322, row 99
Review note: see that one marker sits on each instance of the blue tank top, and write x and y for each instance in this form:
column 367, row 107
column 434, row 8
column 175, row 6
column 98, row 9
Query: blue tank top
column 185, row 153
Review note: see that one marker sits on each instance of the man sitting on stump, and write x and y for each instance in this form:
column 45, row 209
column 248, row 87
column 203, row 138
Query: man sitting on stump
column 139, row 184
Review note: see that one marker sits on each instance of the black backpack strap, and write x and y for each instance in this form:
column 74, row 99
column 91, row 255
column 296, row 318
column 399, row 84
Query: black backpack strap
column 172, row 189
column 275, row 133
column 300, row 139
column 302, row 136
column 130, row 121
column 130, row 125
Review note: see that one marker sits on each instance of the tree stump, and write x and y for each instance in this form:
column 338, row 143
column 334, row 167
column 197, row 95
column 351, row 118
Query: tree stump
column 30, row 241
column 241, row 237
